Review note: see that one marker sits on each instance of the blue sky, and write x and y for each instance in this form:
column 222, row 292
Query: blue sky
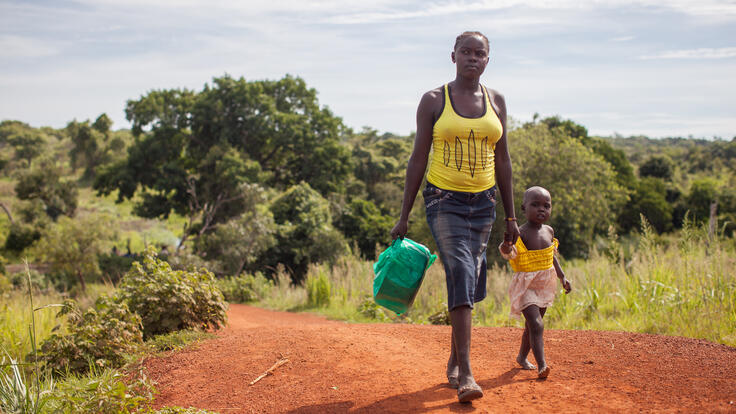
column 625, row 67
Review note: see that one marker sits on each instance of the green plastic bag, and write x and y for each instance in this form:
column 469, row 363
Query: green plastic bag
column 399, row 273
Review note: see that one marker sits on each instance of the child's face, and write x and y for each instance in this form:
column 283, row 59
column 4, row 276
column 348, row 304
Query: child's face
column 537, row 206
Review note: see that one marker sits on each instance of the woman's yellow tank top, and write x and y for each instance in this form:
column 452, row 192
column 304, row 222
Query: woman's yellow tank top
column 463, row 148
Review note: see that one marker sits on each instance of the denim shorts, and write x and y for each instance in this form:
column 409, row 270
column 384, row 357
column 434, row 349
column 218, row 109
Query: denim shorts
column 461, row 225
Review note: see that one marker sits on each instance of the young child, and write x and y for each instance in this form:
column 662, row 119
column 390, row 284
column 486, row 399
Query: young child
column 533, row 286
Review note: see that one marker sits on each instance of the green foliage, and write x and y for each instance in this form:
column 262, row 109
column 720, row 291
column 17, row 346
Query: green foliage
column 93, row 145
column 176, row 340
column 27, row 142
column 102, row 391
column 101, row 336
column 245, row 288
column 71, row 248
column 17, row 393
column 234, row 246
column 318, row 290
column 362, row 223
column 657, row 166
column 169, row 300
column 370, row 309
column 702, row 193
column 584, row 188
column 648, row 199
column 305, row 234
column 113, row 266
column 44, row 182
column 21, row 236
column 193, row 151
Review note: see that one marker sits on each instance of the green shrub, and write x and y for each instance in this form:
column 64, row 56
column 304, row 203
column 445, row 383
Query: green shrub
column 170, row 300
column 318, row 290
column 102, row 336
column 245, row 288
column 369, row 308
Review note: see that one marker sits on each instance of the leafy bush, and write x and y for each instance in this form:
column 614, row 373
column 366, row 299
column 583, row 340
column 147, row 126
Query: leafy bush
column 100, row 336
column 371, row 309
column 170, row 300
column 318, row 290
column 244, row 288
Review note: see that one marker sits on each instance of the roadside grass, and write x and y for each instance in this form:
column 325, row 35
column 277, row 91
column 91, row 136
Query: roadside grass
column 682, row 284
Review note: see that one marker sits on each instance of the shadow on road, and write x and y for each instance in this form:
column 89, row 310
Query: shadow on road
column 423, row 401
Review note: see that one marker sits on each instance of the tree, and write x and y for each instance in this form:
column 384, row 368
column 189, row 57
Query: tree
column 240, row 242
column 192, row 151
column 71, row 247
column 657, row 166
column 585, row 194
column 304, row 234
column 362, row 223
column 44, row 183
column 91, row 144
column 649, row 198
column 27, row 142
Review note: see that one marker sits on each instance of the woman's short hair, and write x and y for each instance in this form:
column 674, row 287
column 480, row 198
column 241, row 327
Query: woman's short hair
column 464, row 35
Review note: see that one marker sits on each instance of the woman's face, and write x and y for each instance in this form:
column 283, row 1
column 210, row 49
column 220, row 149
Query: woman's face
column 471, row 56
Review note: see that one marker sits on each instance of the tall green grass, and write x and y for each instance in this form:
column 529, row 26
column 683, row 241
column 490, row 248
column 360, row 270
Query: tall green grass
column 683, row 284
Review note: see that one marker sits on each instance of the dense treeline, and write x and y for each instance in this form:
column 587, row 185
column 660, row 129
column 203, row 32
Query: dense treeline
column 266, row 177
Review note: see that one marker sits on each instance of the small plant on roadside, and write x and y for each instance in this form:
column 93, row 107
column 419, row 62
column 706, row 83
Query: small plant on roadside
column 170, row 300
column 441, row 317
column 176, row 340
column 17, row 393
column 369, row 308
column 102, row 335
column 102, row 391
column 318, row 290
column 180, row 410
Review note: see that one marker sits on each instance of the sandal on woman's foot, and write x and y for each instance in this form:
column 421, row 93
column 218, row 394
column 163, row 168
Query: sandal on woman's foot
column 452, row 381
column 469, row 393
column 543, row 373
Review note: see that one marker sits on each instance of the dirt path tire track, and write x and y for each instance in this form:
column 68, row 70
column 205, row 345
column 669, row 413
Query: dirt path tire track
column 336, row 367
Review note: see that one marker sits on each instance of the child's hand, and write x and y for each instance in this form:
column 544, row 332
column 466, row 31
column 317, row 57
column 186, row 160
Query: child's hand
column 566, row 285
column 507, row 243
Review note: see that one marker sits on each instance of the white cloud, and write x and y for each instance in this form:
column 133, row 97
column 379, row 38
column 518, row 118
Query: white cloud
column 623, row 39
column 702, row 53
column 25, row 47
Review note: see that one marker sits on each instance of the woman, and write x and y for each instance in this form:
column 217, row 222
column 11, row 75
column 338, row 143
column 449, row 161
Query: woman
column 465, row 123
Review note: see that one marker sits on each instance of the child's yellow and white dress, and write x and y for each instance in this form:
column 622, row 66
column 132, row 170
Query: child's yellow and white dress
column 535, row 278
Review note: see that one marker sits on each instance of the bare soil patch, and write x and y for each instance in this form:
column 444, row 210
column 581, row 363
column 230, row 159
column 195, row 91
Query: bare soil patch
column 337, row 367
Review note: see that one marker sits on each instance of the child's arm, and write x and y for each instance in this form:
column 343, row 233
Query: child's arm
column 561, row 275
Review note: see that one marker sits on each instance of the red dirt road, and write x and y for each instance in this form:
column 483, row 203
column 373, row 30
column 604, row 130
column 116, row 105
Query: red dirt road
column 336, row 367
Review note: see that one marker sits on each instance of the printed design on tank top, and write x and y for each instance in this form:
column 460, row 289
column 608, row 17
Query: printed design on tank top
column 472, row 152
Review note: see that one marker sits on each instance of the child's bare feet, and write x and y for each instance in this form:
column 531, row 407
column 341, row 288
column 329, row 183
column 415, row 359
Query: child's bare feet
column 525, row 364
column 543, row 372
